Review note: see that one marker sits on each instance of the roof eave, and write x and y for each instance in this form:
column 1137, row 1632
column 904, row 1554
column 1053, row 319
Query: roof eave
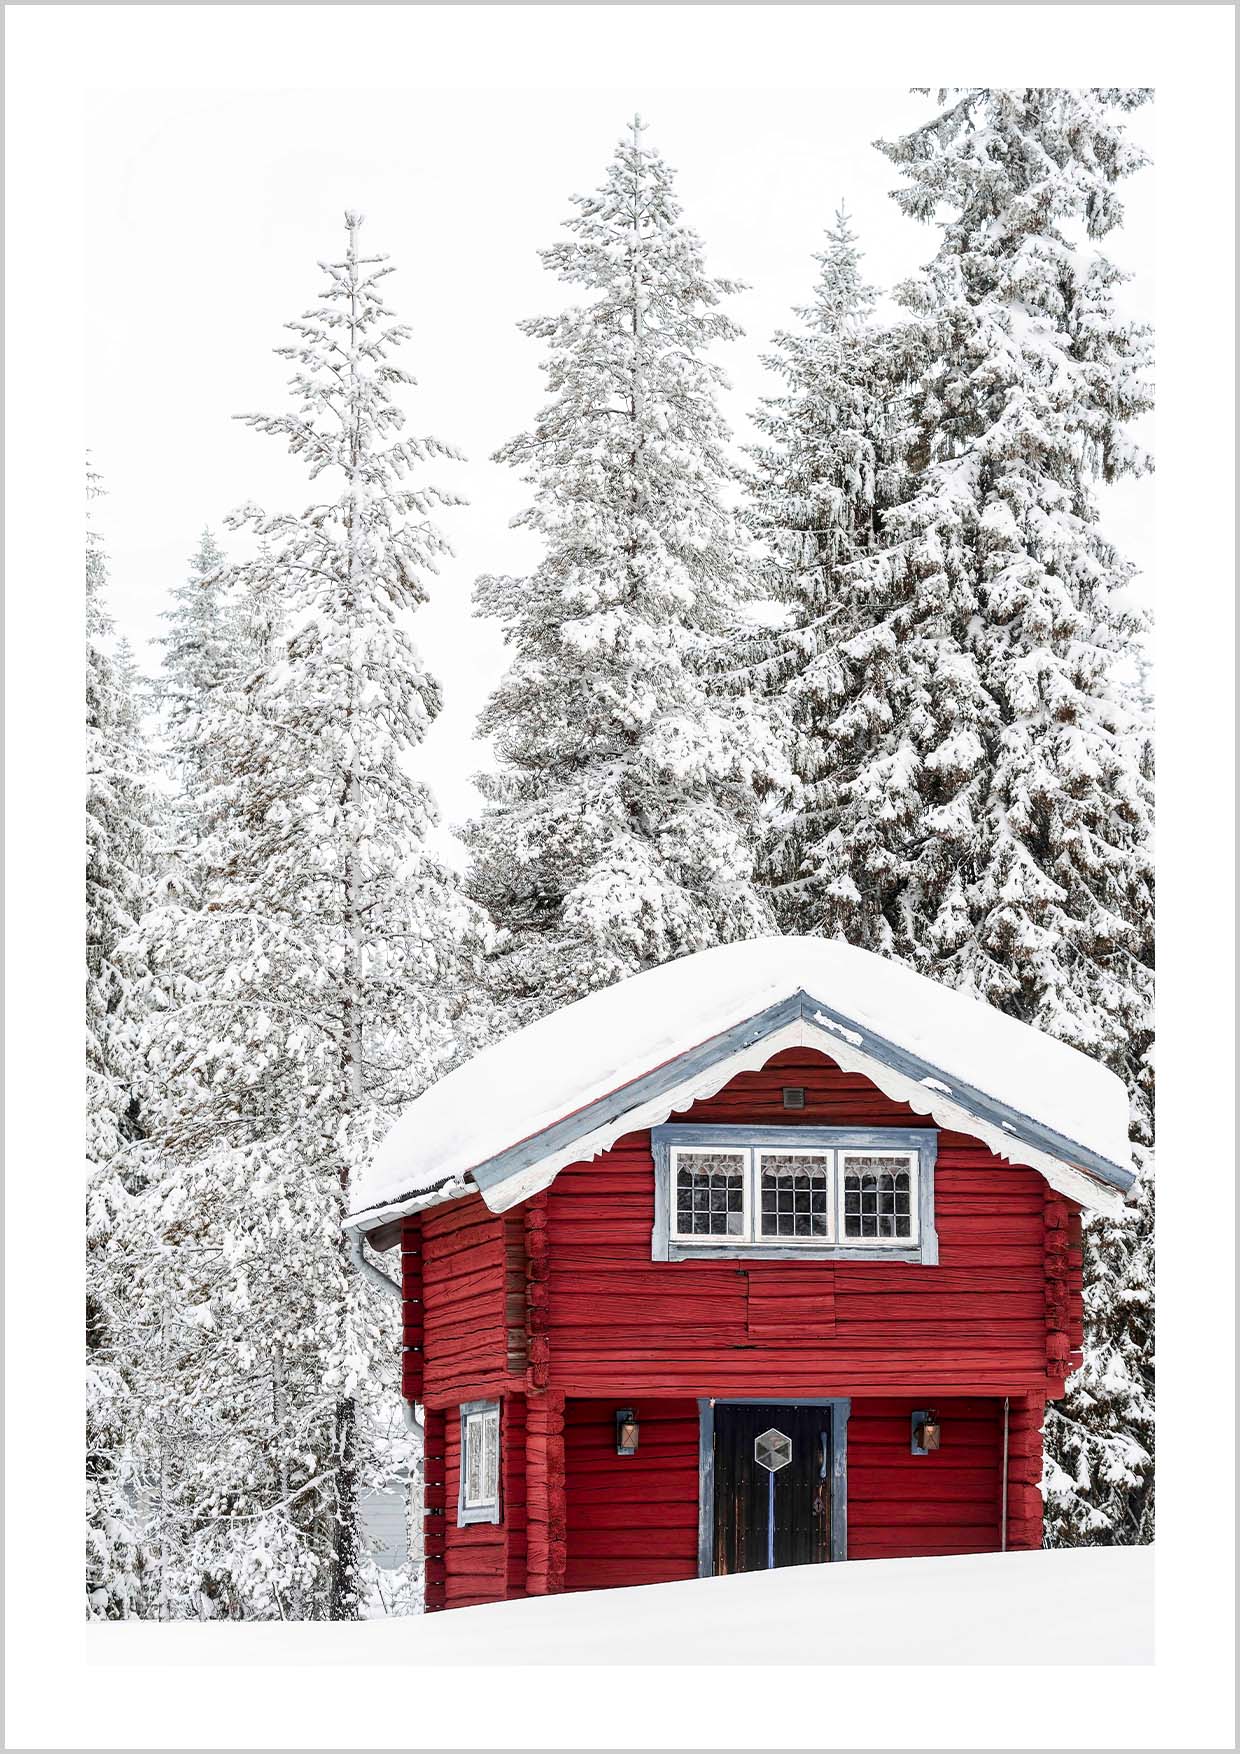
column 512, row 1175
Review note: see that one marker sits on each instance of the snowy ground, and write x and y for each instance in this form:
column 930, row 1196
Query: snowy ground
column 1088, row 1606
column 1094, row 1605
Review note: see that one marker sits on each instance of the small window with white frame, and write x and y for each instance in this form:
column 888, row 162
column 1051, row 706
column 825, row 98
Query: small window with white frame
column 711, row 1193
column 836, row 1193
column 878, row 1194
column 478, row 1500
column 794, row 1194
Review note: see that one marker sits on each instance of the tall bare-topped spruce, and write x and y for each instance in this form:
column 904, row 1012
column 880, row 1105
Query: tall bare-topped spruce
column 319, row 983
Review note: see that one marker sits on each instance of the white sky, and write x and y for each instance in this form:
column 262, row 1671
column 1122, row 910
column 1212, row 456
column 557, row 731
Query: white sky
column 207, row 214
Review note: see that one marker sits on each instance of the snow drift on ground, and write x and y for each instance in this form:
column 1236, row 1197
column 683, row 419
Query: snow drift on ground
column 567, row 1060
column 1084, row 1605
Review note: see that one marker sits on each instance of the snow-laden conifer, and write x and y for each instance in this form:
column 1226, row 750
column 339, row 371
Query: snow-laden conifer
column 985, row 794
column 1099, row 1480
column 1040, row 859
column 989, row 817
column 205, row 649
column 825, row 471
column 317, row 987
column 621, row 824
column 200, row 648
column 117, row 850
column 117, row 869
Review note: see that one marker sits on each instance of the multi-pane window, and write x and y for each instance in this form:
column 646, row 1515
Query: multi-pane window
column 795, row 1193
column 710, row 1193
column 878, row 1192
column 773, row 1190
column 479, row 1494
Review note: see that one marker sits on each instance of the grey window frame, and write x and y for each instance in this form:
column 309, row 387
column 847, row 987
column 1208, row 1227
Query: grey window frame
column 919, row 1142
column 489, row 1512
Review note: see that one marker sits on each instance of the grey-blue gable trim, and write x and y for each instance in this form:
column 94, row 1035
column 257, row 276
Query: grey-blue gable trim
column 841, row 1408
column 800, row 1005
column 650, row 1085
column 985, row 1108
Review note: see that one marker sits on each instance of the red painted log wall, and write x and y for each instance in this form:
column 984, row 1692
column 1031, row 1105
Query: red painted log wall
column 413, row 1311
column 635, row 1519
column 476, row 1556
column 1025, row 1505
column 486, row 1562
column 463, row 1290
column 631, row 1519
column 434, row 1507
column 546, row 1518
column 979, row 1323
column 899, row 1504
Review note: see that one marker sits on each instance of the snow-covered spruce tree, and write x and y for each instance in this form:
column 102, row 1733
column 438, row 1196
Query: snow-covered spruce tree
column 1099, row 1479
column 117, row 850
column 167, row 1265
column 316, row 988
column 203, row 647
column 199, row 650
column 990, row 814
column 985, row 797
column 621, row 824
column 116, row 853
column 827, row 468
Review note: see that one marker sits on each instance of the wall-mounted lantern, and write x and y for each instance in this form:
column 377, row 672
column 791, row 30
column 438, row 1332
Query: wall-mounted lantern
column 627, row 1432
column 927, row 1433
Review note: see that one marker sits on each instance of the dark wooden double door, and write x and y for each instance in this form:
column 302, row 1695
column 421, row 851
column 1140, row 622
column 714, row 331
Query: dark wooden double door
column 772, row 1467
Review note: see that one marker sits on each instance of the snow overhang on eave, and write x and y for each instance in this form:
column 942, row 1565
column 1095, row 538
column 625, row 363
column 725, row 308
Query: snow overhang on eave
column 532, row 1164
column 380, row 1225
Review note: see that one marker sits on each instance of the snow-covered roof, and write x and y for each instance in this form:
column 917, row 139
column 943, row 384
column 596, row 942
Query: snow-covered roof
column 566, row 1087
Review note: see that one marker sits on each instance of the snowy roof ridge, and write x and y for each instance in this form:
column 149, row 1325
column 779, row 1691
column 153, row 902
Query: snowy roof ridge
column 568, row 1085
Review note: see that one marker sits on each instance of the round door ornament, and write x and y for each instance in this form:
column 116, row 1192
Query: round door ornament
column 772, row 1450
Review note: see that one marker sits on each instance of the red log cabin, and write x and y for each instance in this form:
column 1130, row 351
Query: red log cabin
column 767, row 1256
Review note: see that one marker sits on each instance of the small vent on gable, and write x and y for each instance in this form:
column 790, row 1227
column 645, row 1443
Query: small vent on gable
column 793, row 1097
